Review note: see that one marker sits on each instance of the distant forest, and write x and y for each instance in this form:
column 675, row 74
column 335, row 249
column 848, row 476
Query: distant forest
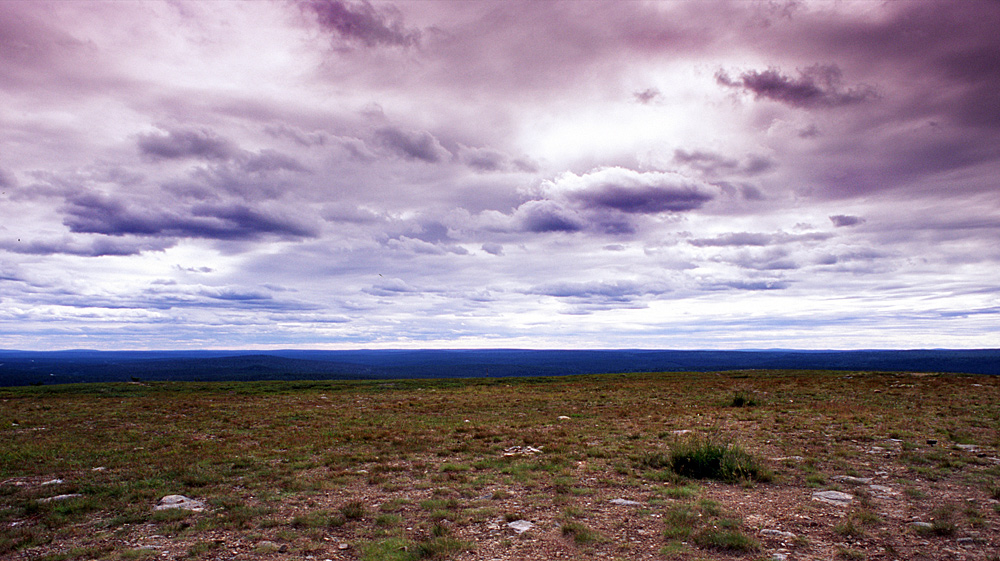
column 19, row 368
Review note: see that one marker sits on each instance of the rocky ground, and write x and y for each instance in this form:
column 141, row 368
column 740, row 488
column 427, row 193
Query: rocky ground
column 871, row 467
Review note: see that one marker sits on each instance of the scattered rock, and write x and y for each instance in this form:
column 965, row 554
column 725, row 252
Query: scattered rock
column 882, row 489
column 966, row 541
column 52, row 482
column 682, row 431
column 520, row 526
column 563, row 418
column 922, row 525
column 343, row 546
column 60, row 498
column 967, row 447
column 779, row 557
column 625, row 502
column 267, row 547
column 521, row 451
column 777, row 534
column 179, row 501
column 789, row 458
column 833, row 497
column 852, row 480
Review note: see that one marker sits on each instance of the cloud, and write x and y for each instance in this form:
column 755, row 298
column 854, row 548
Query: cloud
column 270, row 160
column 758, row 239
column 93, row 247
column 362, row 23
column 547, row 216
column 750, row 285
column 842, row 220
column 711, row 163
column 191, row 143
column 493, row 248
column 817, row 86
column 617, row 291
column 647, row 96
column 412, row 145
column 631, row 192
column 7, row 179
column 97, row 214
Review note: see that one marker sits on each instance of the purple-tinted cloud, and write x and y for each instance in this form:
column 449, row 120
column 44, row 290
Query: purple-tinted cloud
column 842, row 220
column 7, row 179
column 817, row 86
column 195, row 143
column 93, row 247
column 634, row 193
column 94, row 214
column 622, row 291
column 758, row 239
column 714, row 164
column 548, row 216
column 493, row 248
column 361, row 22
column 270, row 160
column 648, row 95
column 412, row 145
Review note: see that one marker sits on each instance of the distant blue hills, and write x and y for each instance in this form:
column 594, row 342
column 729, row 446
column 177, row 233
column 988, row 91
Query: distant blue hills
column 19, row 368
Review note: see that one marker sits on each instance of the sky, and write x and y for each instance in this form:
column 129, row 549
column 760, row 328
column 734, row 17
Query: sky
column 535, row 174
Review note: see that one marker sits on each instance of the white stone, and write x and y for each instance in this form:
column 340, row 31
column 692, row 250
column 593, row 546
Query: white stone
column 625, row 502
column 777, row 534
column 179, row 501
column 520, row 526
column 60, row 498
column 833, row 497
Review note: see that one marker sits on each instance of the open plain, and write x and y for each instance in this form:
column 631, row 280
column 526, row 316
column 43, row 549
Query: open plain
column 751, row 464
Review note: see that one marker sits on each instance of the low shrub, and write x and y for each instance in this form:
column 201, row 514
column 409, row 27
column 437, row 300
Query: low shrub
column 707, row 458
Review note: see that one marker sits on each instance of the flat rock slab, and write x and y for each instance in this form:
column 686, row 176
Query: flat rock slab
column 852, row 480
column 833, row 497
column 626, row 502
column 520, row 526
column 179, row 501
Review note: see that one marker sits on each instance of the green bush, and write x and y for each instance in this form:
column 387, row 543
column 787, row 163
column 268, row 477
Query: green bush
column 707, row 458
column 726, row 540
column 743, row 399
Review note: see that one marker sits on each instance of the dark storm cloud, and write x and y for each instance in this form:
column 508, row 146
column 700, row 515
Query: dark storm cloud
column 412, row 145
column 193, row 143
column 842, row 220
column 361, row 22
column 816, row 86
column 95, row 214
